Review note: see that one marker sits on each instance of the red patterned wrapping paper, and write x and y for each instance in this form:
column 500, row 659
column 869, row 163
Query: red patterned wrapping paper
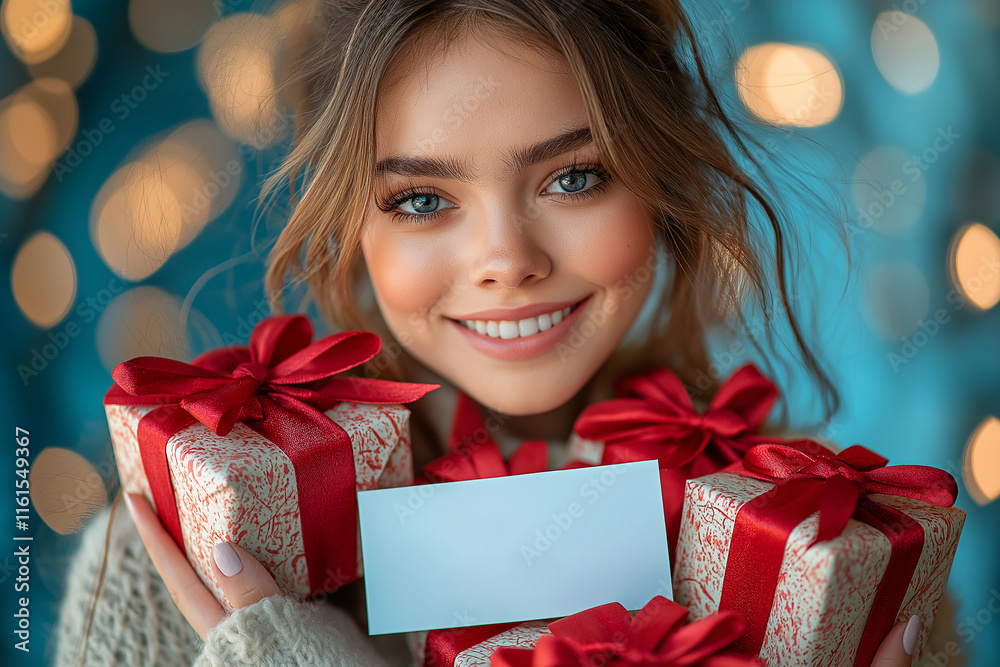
column 824, row 592
column 522, row 635
column 241, row 487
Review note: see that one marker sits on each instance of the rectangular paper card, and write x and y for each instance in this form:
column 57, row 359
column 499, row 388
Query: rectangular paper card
column 516, row 548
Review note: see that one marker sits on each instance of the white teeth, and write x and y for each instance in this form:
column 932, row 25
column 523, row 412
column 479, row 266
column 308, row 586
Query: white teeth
column 507, row 329
column 527, row 327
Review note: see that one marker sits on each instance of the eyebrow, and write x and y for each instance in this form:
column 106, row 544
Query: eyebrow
column 516, row 161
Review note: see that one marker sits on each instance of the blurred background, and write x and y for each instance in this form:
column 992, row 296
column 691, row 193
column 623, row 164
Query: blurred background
column 134, row 135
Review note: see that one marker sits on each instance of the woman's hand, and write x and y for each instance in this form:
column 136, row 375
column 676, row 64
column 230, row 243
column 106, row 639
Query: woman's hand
column 241, row 577
column 897, row 648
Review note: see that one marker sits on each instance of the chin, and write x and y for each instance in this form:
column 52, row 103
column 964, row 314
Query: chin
column 525, row 397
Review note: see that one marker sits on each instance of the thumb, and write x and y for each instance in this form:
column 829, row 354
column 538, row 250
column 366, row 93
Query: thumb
column 240, row 576
column 898, row 645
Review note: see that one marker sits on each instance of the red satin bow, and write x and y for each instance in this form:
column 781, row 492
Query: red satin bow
column 225, row 385
column 474, row 453
column 279, row 387
column 654, row 418
column 837, row 487
column 608, row 635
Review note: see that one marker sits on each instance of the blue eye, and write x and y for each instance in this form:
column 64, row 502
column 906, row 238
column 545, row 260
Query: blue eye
column 577, row 181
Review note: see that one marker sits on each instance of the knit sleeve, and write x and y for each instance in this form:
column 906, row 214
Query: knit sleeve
column 280, row 631
column 134, row 620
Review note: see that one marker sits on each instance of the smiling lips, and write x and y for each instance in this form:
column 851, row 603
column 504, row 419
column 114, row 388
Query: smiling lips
column 518, row 340
column 528, row 326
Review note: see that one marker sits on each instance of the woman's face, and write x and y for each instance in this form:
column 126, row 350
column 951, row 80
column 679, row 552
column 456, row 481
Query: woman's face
column 512, row 223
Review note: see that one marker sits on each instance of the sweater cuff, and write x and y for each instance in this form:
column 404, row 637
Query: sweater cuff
column 279, row 631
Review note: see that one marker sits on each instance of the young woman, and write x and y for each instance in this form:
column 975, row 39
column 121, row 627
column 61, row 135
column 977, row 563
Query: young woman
column 478, row 181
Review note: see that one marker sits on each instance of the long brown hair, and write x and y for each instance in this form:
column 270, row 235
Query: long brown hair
column 658, row 123
column 656, row 119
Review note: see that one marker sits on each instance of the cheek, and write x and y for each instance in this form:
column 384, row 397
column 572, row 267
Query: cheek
column 408, row 276
column 616, row 244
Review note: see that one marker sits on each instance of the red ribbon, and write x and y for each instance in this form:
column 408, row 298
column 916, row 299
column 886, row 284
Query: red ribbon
column 654, row 418
column 837, row 487
column 608, row 635
column 443, row 646
column 279, row 386
column 474, row 453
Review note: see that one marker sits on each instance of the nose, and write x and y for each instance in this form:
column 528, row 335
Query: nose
column 506, row 253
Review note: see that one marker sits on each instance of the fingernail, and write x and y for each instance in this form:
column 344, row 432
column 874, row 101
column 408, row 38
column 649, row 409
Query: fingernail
column 129, row 505
column 227, row 559
column 910, row 634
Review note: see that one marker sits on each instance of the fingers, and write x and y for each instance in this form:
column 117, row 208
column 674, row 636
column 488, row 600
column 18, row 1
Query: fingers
column 241, row 577
column 897, row 647
column 194, row 600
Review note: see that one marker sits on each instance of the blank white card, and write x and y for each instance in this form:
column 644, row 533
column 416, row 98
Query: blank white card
column 517, row 548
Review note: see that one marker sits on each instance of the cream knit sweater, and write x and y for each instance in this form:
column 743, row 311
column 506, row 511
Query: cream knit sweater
column 137, row 623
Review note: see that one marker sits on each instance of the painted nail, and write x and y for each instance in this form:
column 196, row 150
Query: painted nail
column 227, row 559
column 129, row 505
column 910, row 634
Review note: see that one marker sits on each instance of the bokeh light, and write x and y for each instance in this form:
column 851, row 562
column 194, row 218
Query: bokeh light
column 897, row 298
column 57, row 99
column 143, row 321
column 75, row 60
column 136, row 221
column 35, row 30
column 889, row 191
column 202, row 168
column 43, row 279
column 169, row 27
column 905, row 51
column 237, row 64
column 27, row 134
column 982, row 462
column 789, row 85
column 975, row 265
column 66, row 489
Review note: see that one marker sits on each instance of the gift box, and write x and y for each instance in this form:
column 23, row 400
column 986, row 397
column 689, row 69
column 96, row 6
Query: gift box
column 653, row 417
column 263, row 447
column 821, row 553
column 609, row 635
column 471, row 646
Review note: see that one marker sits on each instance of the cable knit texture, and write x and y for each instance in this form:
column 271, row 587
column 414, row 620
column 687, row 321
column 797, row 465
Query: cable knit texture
column 137, row 622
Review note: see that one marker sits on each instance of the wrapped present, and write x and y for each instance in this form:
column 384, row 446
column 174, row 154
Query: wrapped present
column 822, row 553
column 609, row 635
column 653, row 418
column 471, row 646
column 264, row 447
